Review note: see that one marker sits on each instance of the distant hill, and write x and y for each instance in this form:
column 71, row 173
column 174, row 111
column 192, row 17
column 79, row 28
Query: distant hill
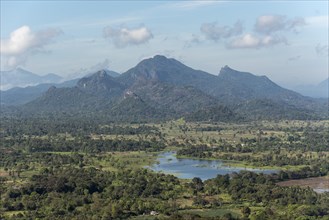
column 101, row 93
column 320, row 90
column 19, row 96
column 89, row 95
column 108, row 72
column 22, row 95
column 260, row 109
column 243, row 86
column 162, row 88
column 101, row 84
column 22, row 78
column 229, row 86
column 112, row 73
column 174, row 99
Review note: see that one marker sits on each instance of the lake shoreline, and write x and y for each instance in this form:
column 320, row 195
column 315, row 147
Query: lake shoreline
column 188, row 168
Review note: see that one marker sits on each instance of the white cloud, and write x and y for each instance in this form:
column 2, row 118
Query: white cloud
column 19, row 41
column 214, row 32
column 10, row 62
column 22, row 43
column 246, row 41
column 122, row 37
column 24, row 39
column 254, row 42
column 269, row 30
column 272, row 23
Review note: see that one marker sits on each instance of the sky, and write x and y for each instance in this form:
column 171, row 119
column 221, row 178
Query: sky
column 284, row 40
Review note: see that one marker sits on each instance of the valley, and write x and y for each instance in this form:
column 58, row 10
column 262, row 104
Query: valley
column 163, row 141
column 164, row 110
column 76, row 169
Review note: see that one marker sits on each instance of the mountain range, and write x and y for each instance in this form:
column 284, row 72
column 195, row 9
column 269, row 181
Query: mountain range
column 21, row 95
column 160, row 88
column 320, row 90
column 22, row 78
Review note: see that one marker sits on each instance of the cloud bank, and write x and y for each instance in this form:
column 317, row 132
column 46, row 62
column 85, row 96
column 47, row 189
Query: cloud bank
column 268, row 30
column 123, row 37
column 22, row 43
column 251, row 41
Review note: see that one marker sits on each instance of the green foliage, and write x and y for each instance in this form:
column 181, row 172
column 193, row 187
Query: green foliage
column 88, row 192
column 84, row 169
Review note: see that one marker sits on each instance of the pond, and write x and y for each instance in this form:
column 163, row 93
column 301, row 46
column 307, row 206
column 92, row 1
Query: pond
column 190, row 168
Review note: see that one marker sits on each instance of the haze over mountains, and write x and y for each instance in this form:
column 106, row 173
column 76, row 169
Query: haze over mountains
column 22, row 95
column 29, row 86
column 320, row 90
column 162, row 88
column 22, row 78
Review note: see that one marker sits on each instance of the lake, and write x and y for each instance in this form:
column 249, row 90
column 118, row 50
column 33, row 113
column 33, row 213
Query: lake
column 190, row 168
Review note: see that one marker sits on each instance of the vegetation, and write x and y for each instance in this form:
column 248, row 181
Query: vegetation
column 80, row 169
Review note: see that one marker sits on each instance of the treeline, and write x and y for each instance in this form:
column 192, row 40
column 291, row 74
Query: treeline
column 82, row 145
column 73, row 193
column 88, row 193
column 11, row 127
column 259, row 188
column 307, row 148
column 273, row 157
column 18, row 162
column 317, row 167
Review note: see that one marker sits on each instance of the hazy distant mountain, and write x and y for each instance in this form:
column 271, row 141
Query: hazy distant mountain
column 103, row 93
column 317, row 91
column 112, row 73
column 174, row 99
column 229, row 86
column 235, row 85
column 170, row 71
column 19, row 96
column 22, row 95
column 108, row 72
column 22, row 78
column 90, row 94
column 100, row 84
column 160, row 88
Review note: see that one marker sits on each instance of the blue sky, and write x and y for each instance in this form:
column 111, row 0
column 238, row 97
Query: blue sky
column 287, row 41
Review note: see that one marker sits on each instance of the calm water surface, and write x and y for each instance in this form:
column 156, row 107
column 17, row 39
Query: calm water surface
column 189, row 168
